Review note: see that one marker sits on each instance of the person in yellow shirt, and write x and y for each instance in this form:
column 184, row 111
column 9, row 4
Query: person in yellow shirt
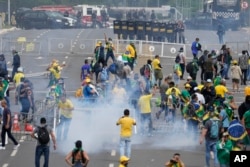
column 221, row 90
column 65, row 108
column 18, row 76
column 126, row 130
column 169, row 90
column 156, row 64
column 175, row 161
column 132, row 54
column 145, row 111
column 123, row 161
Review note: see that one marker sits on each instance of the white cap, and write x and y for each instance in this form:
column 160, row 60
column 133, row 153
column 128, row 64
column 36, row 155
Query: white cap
column 20, row 69
column 189, row 77
column 196, row 88
column 209, row 80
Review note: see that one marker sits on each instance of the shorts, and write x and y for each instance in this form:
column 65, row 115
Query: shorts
column 158, row 74
column 235, row 80
column 176, row 79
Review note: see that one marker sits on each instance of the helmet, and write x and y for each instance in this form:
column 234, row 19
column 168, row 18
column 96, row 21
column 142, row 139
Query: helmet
column 20, row 69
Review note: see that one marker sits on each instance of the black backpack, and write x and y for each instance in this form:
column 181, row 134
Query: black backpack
column 189, row 67
column 191, row 110
column 82, row 157
column 43, row 135
column 142, row 70
column 178, row 58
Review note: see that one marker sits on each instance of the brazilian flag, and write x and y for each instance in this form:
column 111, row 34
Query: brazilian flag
column 158, row 102
column 199, row 112
column 237, row 131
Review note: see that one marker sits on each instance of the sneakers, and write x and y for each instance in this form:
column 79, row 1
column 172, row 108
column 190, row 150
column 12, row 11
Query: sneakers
column 2, row 148
column 16, row 146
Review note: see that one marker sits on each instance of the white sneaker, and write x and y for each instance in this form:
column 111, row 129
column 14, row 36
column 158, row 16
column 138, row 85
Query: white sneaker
column 16, row 146
column 2, row 148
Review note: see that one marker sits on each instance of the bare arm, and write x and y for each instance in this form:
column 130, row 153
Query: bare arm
column 85, row 155
column 53, row 139
column 68, row 159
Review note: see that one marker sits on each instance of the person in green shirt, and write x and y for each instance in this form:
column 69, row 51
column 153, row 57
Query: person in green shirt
column 224, row 146
column 246, row 121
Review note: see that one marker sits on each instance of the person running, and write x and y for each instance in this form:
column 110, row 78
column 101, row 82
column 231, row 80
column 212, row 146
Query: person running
column 126, row 130
column 42, row 148
column 77, row 157
column 6, row 127
column 196, row 47
column 65, row 107
column 175, row 161
column 211, row 132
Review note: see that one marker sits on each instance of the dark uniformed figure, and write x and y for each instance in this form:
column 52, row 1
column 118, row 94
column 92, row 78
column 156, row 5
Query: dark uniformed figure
column 140, row 30
column 155, row 30
column 162, row 33
column 117, row 28
column 153, row 16
column 180, row 31
column 148, row 30
column 170, row 32
column 175, row 32
column 131, row 30
column 124, row 28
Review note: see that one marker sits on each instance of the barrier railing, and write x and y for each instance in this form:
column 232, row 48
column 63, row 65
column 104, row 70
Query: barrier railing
column 86, row 46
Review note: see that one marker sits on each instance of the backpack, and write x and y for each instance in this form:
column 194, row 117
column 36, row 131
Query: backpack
column 112, row 68
column 43, row 135
column 178, row 58
column 104, row 75
column 142, row 70
column 189, row 67
column 219, row 58
column 201, row 60
column 82, row 157
column 214, row 129
column 191, row 110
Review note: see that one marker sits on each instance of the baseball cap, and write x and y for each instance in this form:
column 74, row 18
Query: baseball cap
column 225, row 134
column 123, row 158
column 209, row 80
column 187, row 86
column 189, row 77
column 196, row 88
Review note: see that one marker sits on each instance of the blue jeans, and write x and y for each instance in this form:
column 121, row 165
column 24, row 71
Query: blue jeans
column 147, row 81
column 225, row 71
column 211, row 146
column 110, row 54
column 125, row 146
column 146, row 117
column 42, row 150
column 63, row 128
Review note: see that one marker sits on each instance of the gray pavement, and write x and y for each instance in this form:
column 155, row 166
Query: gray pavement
column 98, row 131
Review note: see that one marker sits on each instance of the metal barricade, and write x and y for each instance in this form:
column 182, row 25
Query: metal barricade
column 237, row 47
column 22, row 45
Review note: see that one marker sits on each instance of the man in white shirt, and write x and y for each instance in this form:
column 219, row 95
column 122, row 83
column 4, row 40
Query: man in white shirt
column 182, row 62
column 200, row 96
